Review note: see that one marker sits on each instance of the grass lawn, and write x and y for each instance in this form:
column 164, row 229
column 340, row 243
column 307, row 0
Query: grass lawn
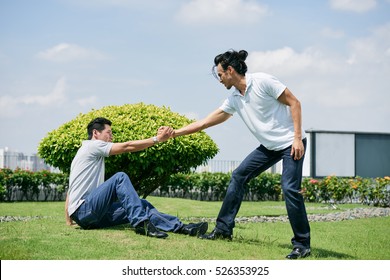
column 48, row 238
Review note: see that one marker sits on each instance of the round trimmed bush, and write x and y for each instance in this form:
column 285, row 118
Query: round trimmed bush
column 147, row 169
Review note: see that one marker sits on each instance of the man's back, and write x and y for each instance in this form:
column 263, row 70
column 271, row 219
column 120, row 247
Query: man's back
column 87, row 170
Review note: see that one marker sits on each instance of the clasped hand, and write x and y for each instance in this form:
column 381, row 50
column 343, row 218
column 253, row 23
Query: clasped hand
column 164, row 133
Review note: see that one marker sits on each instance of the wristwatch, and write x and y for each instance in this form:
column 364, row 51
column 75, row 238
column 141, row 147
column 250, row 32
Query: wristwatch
column 155, row 140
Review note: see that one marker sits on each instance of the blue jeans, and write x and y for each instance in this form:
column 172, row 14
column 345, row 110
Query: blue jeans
column 255, row 163
column 116, row 202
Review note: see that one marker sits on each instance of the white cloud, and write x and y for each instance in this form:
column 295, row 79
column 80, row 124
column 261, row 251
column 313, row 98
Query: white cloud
column 372, row 49
column 318, row 78
column 56, row 96
column 10, row 106
column 327, row 80
column 286, row 61
column 127, row 4
column 358, row 6
column 69, row 52
column 221, row 12
column 88, row 101
column 7, row 106
column 332, row 33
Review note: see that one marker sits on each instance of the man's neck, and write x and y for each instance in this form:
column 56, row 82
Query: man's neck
column 241, row 85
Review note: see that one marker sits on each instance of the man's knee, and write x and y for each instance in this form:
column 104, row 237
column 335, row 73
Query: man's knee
column 238, row 174
column 121, row 174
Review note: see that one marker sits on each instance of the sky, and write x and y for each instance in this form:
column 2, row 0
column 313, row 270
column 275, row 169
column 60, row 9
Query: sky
column 60, row 58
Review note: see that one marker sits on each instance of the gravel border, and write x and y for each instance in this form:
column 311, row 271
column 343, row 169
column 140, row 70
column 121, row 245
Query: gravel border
column 4, row 219
column 350, row 214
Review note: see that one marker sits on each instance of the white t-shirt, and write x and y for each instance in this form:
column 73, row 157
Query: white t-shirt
column 86, row 171
column 269, row 120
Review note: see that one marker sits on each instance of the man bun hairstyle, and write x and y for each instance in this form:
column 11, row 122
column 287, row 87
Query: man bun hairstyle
column 231, row 58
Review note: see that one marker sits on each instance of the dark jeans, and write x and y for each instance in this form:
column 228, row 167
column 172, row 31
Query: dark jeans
column 116, row 202
column 255, row 163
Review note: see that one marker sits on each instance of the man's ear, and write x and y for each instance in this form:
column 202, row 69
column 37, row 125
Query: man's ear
column 95, row 133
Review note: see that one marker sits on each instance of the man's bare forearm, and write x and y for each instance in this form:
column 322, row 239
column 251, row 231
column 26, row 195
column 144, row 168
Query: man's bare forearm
column 189, row 129
column 296, row 114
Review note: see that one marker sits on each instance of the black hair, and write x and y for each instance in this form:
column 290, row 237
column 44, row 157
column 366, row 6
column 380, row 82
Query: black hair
column 98, row 124
column 231, row 58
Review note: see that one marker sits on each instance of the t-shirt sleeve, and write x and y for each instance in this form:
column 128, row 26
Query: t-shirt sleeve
column 274, row 87
column 227, row 107
column 101, row 148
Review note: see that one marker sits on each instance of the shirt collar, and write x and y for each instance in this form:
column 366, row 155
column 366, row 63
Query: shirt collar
column 248, row 79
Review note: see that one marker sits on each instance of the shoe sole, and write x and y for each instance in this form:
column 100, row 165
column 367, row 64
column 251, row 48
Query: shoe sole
column 158, row 236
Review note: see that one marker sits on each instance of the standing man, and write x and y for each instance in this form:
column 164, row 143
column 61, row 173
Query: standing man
column 273, row 115
column 94, row 203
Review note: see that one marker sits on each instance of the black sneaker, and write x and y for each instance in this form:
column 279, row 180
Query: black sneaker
column 217, row 234
column 298, row 252
column 194, row 229
column 148, row 229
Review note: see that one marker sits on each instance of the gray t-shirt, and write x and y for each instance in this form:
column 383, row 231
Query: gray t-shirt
column 86, row 171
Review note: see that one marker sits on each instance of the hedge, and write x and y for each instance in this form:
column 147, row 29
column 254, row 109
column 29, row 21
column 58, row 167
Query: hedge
column 332, row 189
column 43, row 185
column 22, row 184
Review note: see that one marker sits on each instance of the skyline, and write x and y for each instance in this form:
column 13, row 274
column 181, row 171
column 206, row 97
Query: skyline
column 61, row 58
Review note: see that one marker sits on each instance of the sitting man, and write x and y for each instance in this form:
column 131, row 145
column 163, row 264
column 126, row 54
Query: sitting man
column 94, row 203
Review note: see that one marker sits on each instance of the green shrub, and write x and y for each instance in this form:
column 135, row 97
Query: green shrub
column 220, row 185
column 45, row 181
column 179, row 185
column 266, row 186
column 61, row 183
column 27, row 183
column 310, row 189
column 7, row 183
column 213, row 186
column 3, row 189
column 372, row 191
column 380, row 192
column 147, row 169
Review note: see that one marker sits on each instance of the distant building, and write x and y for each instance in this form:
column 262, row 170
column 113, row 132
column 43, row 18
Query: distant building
column 13, row 160
column 214, row 166
column 347, row 154
column 226, row 166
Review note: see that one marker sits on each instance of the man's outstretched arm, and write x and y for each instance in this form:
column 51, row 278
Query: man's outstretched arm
column 163, row 134
column 216, row 117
